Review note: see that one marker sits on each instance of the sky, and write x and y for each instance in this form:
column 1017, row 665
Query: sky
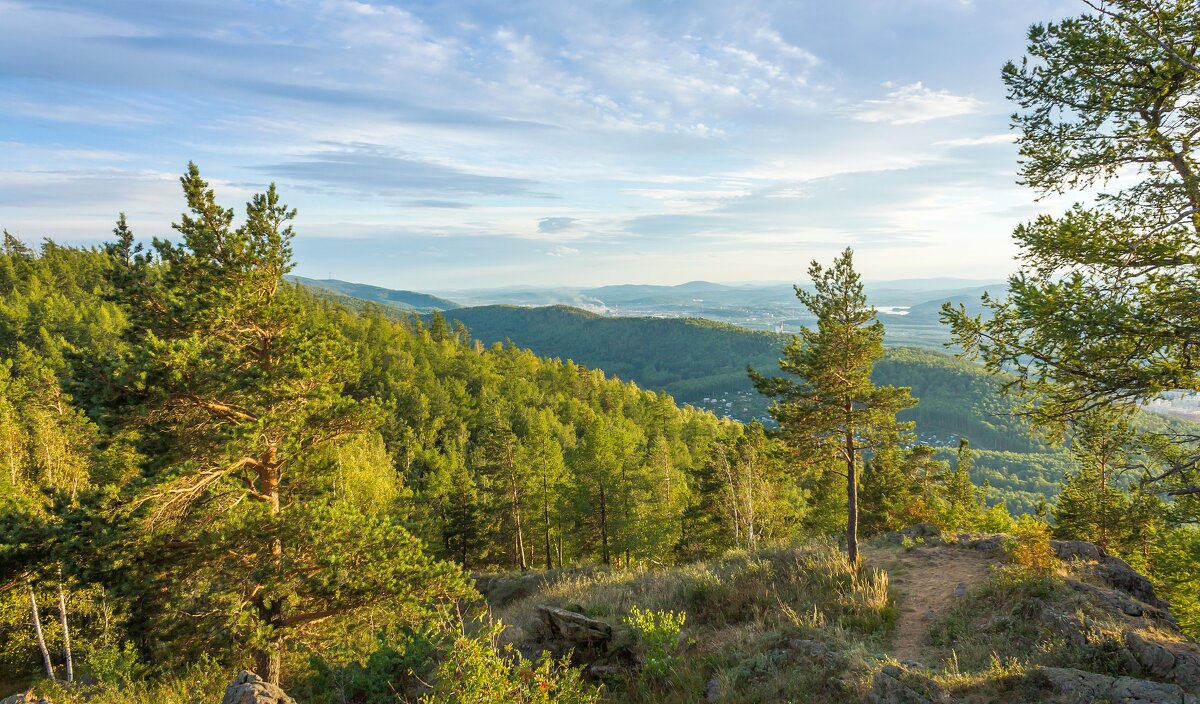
column 450, row 145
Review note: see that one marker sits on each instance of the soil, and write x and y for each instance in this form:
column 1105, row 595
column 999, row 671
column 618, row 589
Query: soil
column 925, row 580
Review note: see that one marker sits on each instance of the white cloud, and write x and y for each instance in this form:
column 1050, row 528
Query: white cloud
column 914, row 103
column 979, row 141
column 562, row 251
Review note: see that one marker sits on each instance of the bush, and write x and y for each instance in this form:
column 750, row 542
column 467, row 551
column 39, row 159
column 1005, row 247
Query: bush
column 658, row 634
column 476, row 671
column 1029, row 547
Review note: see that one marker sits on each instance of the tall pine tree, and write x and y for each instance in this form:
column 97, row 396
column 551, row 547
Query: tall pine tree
column 831, row 409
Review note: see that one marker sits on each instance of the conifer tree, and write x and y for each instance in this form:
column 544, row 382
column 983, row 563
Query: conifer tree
column 241, row 390
column 1091, row 505
column 541, row 452
column 1102, row 312
column 832, row 410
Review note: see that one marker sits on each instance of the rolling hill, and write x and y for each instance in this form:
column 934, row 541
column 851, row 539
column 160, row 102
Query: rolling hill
column 406, row 300
column 704, row 363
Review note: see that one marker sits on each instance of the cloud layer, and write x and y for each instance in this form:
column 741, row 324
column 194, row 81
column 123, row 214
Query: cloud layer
column 441, row 145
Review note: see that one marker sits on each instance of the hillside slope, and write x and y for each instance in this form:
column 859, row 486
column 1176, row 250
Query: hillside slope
column 704, row 363
column 949, row 620
column 406, row 300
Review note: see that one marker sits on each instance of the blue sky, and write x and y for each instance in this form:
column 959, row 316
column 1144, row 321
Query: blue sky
column 451, row 145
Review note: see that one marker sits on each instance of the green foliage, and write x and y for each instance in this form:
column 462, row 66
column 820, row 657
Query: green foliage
column 1101, row 313
column 658, row 636
column 1029, row 548
column 832, row 411
column 1175, row 557
column 475, row 670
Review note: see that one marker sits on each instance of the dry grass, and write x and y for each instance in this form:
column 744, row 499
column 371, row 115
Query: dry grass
column 744, row 612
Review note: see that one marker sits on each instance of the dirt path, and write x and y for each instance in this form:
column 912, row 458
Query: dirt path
column 925, row 581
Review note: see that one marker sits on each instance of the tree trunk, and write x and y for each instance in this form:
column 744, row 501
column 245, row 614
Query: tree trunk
column 733, row 503
column 603, row 525
column 37, row 629
column 1103, row 542
column 268, row 660
column 516, row 505
column 66, row 632
column 851, row 500
column 546, row 510
column 268, row 663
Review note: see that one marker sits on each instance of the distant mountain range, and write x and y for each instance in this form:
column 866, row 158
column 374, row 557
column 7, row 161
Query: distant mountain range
column 697, row 297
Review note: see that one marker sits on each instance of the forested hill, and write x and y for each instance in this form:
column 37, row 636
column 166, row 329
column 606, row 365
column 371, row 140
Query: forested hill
column 695, row 359
column 690, row 358
column 704, row 363
column 405, row 300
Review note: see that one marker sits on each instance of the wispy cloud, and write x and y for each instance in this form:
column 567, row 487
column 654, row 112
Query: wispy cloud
column 1006, row 138
column 365, row 169
column 678, row 141
column 914, row 103
column 563, row 251
column 553, row 225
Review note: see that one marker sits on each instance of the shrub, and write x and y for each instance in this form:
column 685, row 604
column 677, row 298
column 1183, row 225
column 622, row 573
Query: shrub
column 1029, row 547
column 658, row 634
column 476, row 671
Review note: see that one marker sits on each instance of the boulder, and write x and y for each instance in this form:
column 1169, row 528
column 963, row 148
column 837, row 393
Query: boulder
column 983, row 543
column 928, row 533
column 1174, row 660
column 575, row 629
column 25, row 698
column 1117, row 573
column 1094, row 688
column 1067, row 550
column 1120, row 601
column 896, row 685
column 249, row 688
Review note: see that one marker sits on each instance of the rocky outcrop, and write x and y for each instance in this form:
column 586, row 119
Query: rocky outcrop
column 1117, row 573
column 983, row 543
column 249, row 688
column 896, row 685
column 1122, row 602
column 1077, row 550
column 25, row 698
column 927, row 533
column 575, row 629
column 1079, row 687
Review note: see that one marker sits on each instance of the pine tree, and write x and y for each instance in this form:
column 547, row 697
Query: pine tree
column 1091, row 506
column 1102, row 312
column 243, row 386
column 833, row 410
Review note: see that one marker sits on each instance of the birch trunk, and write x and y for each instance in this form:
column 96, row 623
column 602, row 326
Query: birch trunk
column 37, row 629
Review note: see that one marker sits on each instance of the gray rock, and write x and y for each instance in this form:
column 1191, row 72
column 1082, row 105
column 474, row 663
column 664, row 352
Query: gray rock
column 1118, row 574
column 1077, row 550
column 249, row 688
column 712, row 690
column 1120, row 601
column 1155, row 659
column 927, row 532
column 805, row 648
column 1093, row 688
column 576, row 629
column 961, row 590
column 886, row 688
column 983, row 543
column 895, row 684
column 25, row 698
